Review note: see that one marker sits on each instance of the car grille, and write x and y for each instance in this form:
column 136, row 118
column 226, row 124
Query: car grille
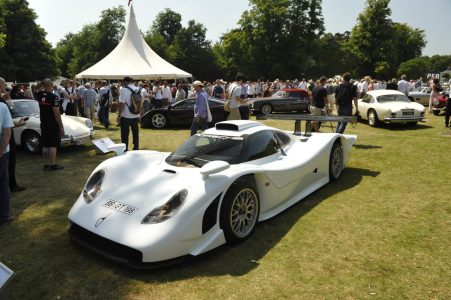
column 210, row 215
column 104, row 246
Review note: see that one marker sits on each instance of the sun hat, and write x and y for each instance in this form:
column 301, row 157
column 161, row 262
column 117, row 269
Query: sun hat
column 197, row 82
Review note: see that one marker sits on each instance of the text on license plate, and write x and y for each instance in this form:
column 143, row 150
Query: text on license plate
column 407, row 113
column 121, row 207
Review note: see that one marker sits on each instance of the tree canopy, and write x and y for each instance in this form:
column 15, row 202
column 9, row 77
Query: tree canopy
column 25, row 54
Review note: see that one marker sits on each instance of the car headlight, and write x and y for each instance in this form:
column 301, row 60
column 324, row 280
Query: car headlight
column 167, row 210
column 92, row 187
column 88, row 124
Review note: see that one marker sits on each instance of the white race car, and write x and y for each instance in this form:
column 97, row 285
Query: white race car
column 389, row 106
column 148, row 209
column 77, row 130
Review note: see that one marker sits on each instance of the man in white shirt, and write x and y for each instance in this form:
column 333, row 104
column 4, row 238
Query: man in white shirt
column 126, row 118
column 403, row 85
column 145, row 96
column 166, row 92
column 234, row 95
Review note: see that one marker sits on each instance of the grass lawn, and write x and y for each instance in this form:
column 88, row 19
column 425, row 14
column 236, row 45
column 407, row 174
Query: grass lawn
column 382, row 231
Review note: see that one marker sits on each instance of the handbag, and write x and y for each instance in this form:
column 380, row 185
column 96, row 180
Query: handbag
column 227, row 105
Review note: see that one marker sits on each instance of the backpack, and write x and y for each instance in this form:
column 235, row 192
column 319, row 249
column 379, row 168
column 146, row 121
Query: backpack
column 135, row 101
column 344, row 94
column 105, row 98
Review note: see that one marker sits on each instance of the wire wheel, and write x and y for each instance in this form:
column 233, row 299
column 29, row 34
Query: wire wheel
column 240, row 210
column 266, row 109
column 372, row 118
column 335, row 162
column 32, row 142
column 243, row 214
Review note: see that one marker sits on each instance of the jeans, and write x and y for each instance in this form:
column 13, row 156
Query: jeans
column 126, row 123
column 343, row 110
column 104, row 116
column 195, row 125
column 4, row 187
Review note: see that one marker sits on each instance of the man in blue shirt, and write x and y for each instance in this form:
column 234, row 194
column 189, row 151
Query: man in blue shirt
column 201, row 109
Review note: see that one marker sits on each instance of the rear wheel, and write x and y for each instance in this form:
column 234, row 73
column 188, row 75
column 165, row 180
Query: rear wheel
column 266, row 109
column 32, row 142
column 240, row 210
column 159, row 120
column 372, row 118
column 335, row 161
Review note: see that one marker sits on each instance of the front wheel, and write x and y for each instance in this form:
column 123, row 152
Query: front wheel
column 335, row 161
column 159, row 120
column 240, row 210
column 32, row 142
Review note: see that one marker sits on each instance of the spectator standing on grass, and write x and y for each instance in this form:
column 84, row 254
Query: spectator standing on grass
column 51, row 125
column 435, row 92
column 145, row 96
column 345, row 93
column 318, row 101
column 180, row 95
column 6, row 123
column 104, row 99
column 13, row 186
column 392, row 85
column 403, row 85
column 166, row 93
column 201, row 109
column 234, row 95
column 125, row 117
column 88, row 99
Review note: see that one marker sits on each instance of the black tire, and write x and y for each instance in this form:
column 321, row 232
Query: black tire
column 158, row 120
column 31, row 141
column 240, row 210
column 373, row 120
column 266, row 109
column 335, row 161
column 436, row 112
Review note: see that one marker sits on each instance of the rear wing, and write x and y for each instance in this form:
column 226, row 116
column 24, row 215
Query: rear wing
column 309, row 119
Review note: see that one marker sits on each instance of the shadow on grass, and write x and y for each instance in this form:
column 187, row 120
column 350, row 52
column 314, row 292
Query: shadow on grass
column 365, row 147
column 243, row 258
column 399, row 126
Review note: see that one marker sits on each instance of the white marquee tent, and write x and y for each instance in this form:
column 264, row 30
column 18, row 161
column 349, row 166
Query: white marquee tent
column 133, row 57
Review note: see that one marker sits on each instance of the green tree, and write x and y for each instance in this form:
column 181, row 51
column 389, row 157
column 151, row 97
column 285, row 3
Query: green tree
column 26, row 55
column 380, row 45
column 167, row 24
column 415, row 68
column 191, row 51
column 371, row 37
column 275, row 38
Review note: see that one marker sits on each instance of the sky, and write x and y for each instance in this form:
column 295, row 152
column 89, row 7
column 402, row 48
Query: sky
column 60, row 17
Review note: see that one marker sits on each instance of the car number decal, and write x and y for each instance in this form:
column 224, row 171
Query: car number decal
column 120, row 207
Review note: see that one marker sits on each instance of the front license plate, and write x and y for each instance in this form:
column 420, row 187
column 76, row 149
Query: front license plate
column 120, row 207
column 407, row 113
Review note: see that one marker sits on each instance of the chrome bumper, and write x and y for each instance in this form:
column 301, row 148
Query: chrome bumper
column 77, row 140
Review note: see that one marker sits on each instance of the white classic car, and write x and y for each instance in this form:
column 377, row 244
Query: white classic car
column 389, row 106
column 77, row 130
column 147, row 209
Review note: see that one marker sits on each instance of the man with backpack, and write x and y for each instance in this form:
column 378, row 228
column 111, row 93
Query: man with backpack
column 345, row 93
column 130, row 108
column 104, row 98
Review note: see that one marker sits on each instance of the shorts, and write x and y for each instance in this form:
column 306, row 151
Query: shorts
column 316, row 111
column 50, row 137
column 90, row 109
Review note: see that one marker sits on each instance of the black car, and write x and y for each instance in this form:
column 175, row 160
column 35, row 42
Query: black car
column 285, row 100
column 181, row 113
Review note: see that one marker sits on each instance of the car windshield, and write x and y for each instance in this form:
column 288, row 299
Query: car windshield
column 392, row 98
column 25, row 108
column 201, row 149
column 279, row 94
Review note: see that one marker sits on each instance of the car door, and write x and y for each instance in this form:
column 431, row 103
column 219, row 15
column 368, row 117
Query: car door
column 364, row 105
column 181, row 113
